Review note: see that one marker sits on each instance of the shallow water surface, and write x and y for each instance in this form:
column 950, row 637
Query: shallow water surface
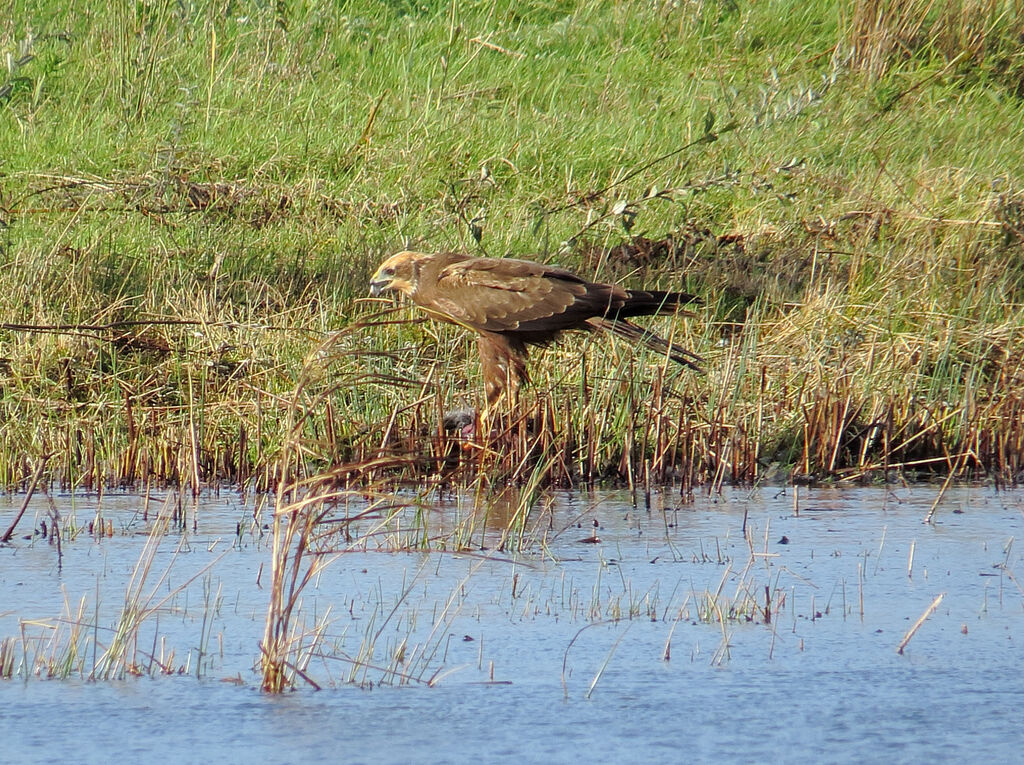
column 623, row 634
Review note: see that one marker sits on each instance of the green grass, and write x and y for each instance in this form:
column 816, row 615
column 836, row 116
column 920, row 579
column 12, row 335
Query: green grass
column 242, row 168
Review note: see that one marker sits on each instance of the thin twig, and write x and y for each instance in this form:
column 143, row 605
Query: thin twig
column 28, row 496
column 62, row 328
column 928, row 612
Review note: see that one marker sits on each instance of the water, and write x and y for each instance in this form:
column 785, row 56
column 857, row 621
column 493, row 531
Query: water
column 560, row 655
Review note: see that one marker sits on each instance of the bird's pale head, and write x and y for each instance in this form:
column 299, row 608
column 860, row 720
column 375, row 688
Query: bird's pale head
column 399, row 272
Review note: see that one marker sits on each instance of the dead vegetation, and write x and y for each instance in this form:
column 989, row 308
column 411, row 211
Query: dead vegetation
column 167, row 196
column 822, row 366
column 983, row 35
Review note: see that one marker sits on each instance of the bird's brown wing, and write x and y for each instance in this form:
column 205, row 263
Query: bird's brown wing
column 505, row 295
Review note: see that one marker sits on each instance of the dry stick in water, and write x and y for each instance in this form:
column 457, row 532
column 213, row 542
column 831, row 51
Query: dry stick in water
column 945, row 485
column 928, row 612
column 28, row 496
column 860, row 589
column 608, row 658
column 667, row 655
column 565, row 656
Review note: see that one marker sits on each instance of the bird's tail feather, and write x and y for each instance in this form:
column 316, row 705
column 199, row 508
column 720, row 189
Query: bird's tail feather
column 653, row 302
column 651, row 341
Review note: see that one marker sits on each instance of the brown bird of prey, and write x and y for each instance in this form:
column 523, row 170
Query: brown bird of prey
column 511, row 304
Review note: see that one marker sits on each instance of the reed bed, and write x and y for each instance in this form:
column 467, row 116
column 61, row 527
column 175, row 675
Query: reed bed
column 841, row 386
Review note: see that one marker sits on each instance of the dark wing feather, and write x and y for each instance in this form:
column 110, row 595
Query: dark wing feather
column 505, row 295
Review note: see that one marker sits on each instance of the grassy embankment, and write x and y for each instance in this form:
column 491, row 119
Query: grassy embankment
column 193, row 197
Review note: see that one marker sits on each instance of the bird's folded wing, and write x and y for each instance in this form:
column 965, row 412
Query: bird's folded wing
column 504, row 295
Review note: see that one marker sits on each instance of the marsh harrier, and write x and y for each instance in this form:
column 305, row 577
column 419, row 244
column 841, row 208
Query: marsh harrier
column 511, row 304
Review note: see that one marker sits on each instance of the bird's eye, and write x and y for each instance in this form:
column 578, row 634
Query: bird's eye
column 388, row 271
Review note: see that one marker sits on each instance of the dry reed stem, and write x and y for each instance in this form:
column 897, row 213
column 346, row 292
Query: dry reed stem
column 36, row 475
column 119, row 657
column 921, row 620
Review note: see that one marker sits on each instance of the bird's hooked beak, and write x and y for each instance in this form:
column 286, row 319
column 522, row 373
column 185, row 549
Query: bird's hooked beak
column 396, row 273
column 380, row 282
